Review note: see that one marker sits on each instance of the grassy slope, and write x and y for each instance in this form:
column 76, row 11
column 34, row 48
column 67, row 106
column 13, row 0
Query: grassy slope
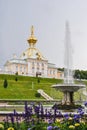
column 22, row 89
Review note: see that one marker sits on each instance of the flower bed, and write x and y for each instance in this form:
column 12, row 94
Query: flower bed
column 36, row 117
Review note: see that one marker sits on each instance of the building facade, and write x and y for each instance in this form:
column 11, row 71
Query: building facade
column 32, row 62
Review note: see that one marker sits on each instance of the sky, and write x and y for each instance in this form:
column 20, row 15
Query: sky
column 48, row 18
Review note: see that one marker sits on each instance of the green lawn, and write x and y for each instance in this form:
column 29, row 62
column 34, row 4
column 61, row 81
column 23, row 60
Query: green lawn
column 26, row 87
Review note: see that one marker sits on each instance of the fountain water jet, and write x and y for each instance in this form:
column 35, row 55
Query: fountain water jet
column 68, row 87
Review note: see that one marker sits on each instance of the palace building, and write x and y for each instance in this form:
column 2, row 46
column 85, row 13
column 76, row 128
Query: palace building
column 32, row 62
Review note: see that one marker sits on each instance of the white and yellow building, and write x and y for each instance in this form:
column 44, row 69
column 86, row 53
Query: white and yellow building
column 32, row 62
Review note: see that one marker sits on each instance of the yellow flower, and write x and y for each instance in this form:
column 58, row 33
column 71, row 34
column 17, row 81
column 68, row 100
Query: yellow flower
column 10, row 128
column 58, row 120
column 77, row 124
column 1, row 127
column 71, row 127
column 70, row 118
column 83, row 122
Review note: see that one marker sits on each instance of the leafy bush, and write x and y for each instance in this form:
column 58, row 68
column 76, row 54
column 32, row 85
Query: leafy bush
column 5, row 83
column 16, row 79
column 38, row 80
column 37, row 95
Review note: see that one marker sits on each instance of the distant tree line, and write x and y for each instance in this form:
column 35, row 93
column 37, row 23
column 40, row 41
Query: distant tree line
column 80, row 74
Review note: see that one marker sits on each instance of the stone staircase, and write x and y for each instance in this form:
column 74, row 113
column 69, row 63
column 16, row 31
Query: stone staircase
column 46, row 96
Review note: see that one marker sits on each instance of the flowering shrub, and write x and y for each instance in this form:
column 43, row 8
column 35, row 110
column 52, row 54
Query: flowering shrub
column 38, row 118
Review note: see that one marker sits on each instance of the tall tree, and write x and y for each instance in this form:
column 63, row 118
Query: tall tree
column 5, row 83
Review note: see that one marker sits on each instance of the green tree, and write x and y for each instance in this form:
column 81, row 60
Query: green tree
column 5, row 83
column 16, row 79
column 61, row 69
column 80, row 74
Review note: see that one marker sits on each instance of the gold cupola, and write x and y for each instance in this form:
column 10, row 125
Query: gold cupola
column 32, row 40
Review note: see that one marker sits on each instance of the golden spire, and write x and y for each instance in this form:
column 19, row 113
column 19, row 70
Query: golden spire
column 32, row 40
column 32, row 30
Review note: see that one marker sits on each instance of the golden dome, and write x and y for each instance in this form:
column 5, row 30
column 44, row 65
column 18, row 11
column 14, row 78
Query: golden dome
column 32, row 53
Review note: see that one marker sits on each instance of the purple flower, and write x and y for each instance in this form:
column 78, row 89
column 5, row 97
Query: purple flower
column 79, row 110
column 37, row 108
column 85, row 103
column 29, row 128
column 50, row 127
column 76, row 117
column 66, row 116
column 56, row 128
column 81, row 113
column 50, row 121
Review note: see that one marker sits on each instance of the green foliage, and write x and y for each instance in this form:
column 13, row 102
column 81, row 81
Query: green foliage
column 64, row 123
column 80, row 74
column 5, row 84
column 1, row 127
column 61, row 69
column 37, row 95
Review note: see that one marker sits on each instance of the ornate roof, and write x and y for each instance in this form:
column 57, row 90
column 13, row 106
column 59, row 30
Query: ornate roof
column 32, row 51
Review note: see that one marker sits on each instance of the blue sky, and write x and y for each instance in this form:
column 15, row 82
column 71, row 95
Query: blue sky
column 48, row 18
